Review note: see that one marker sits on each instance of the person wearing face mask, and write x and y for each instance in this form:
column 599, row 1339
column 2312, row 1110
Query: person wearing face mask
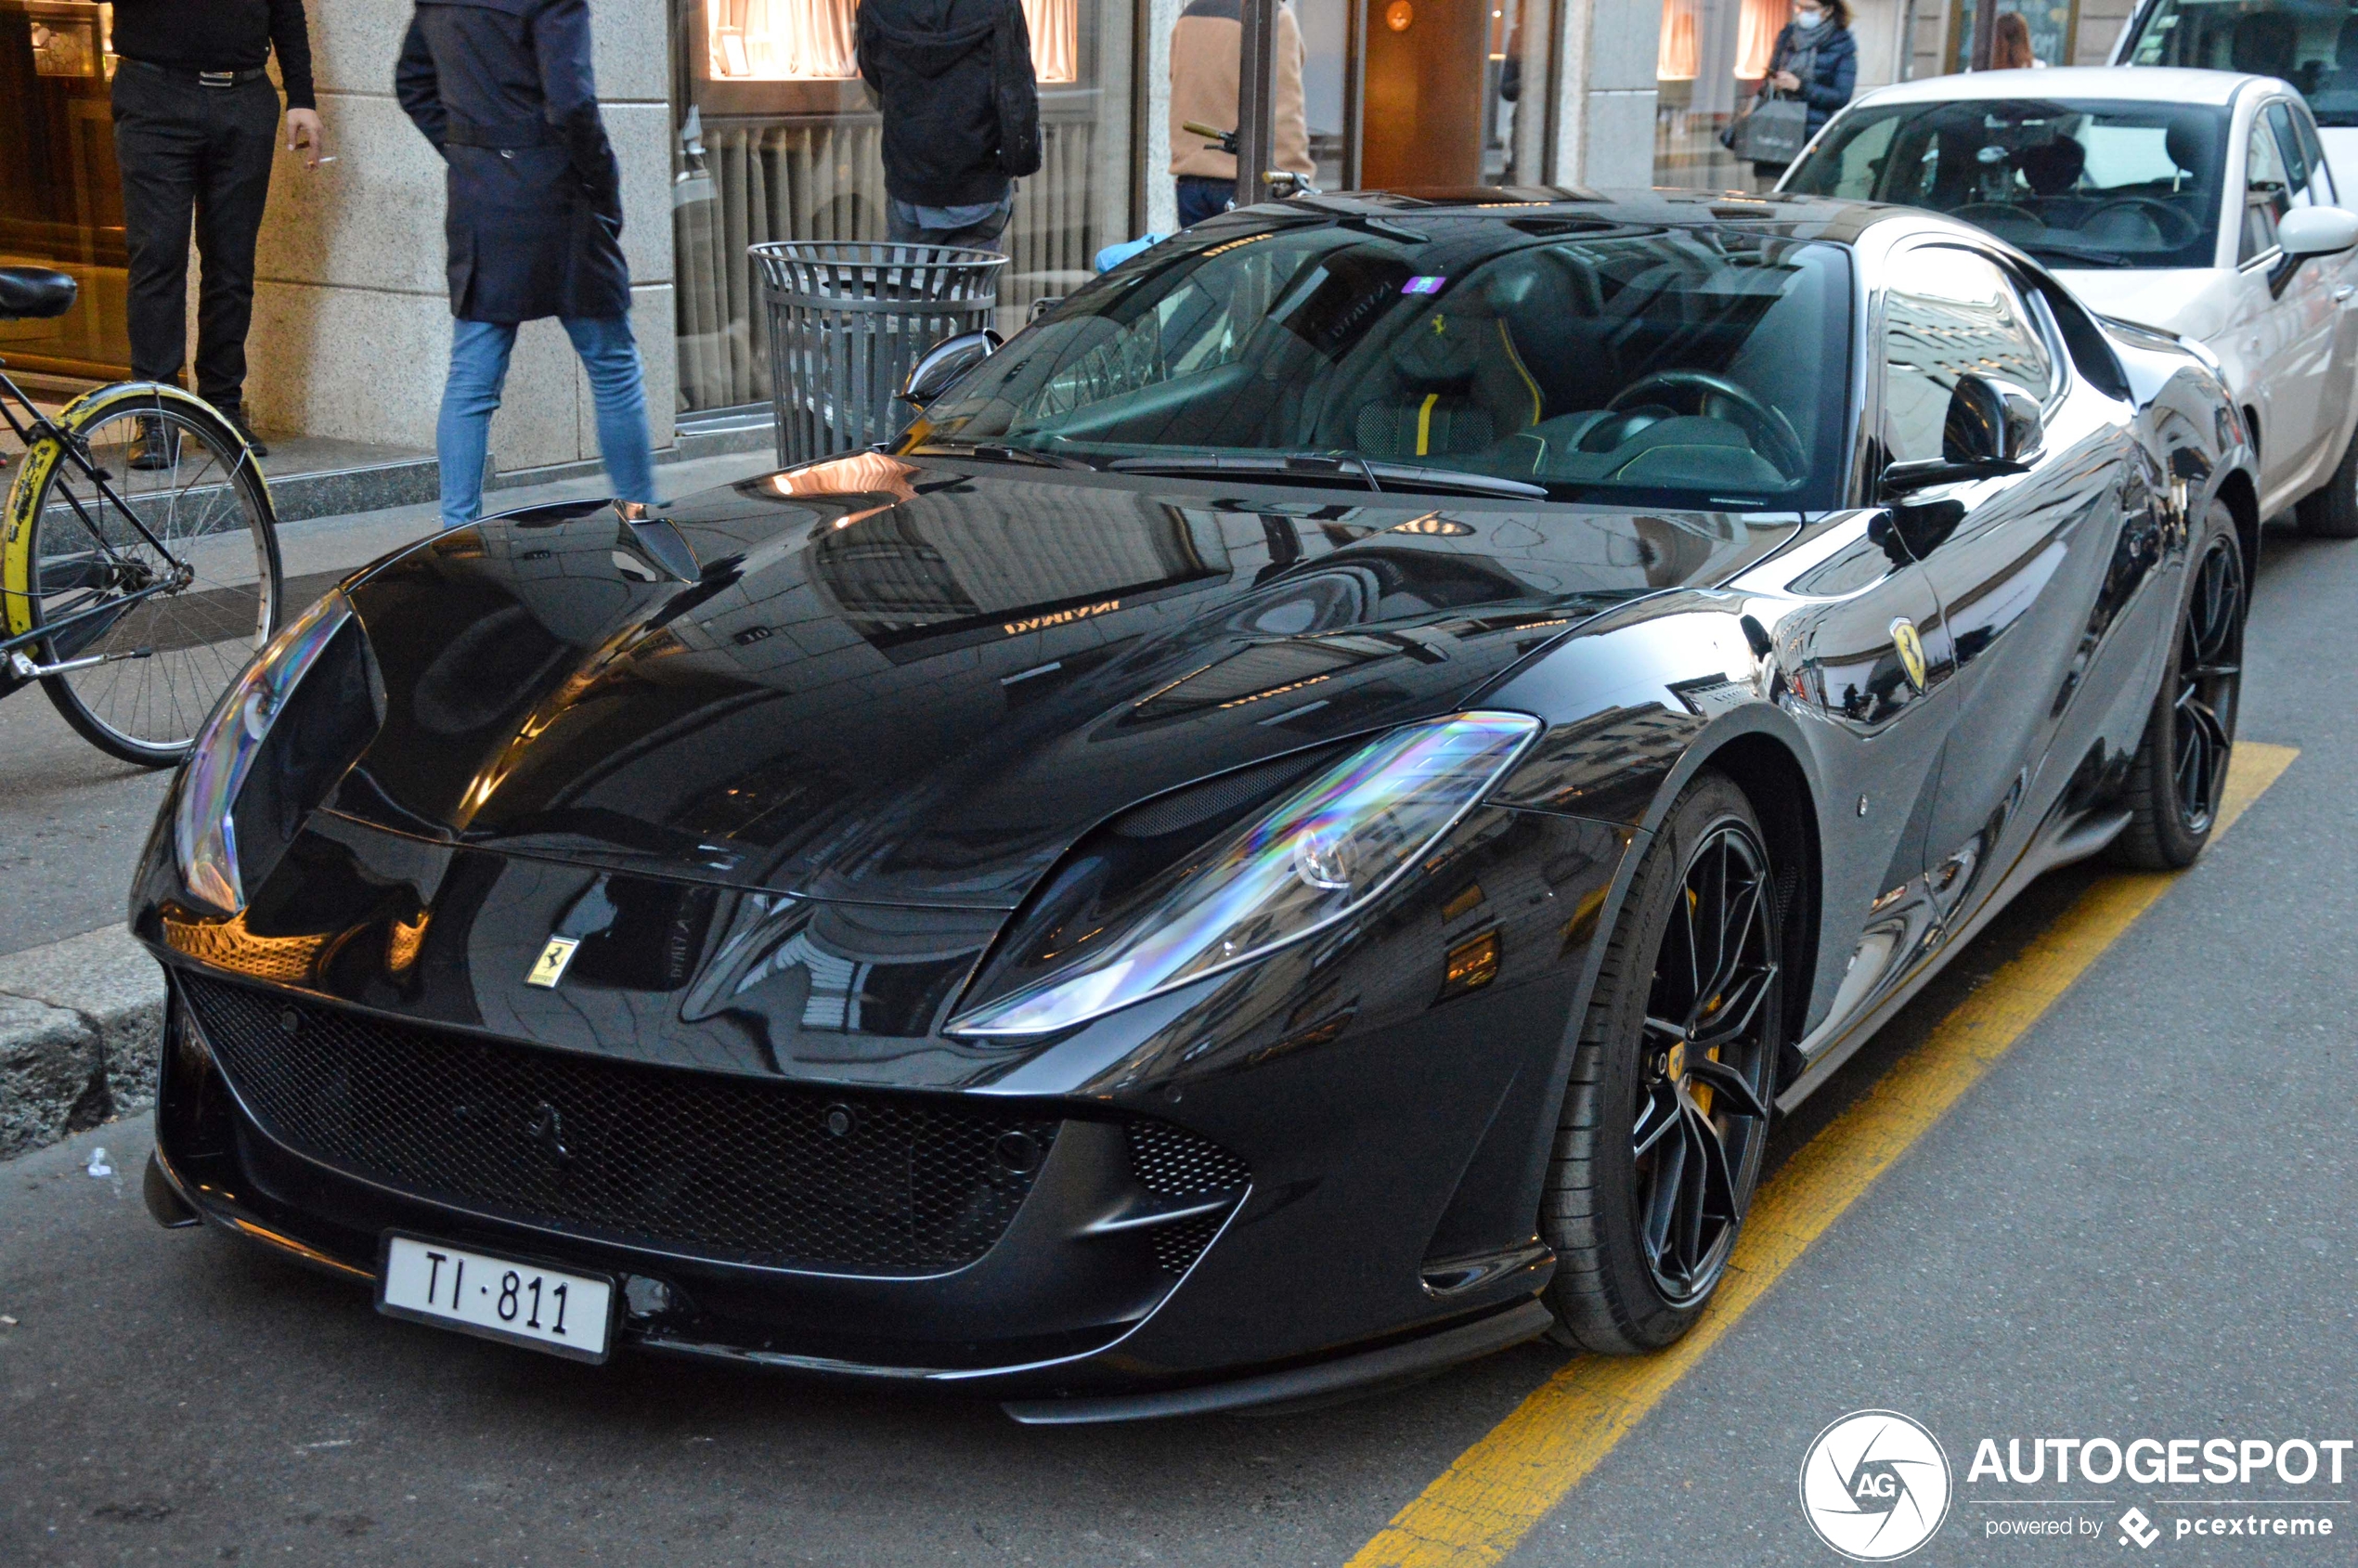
column 1815, row 61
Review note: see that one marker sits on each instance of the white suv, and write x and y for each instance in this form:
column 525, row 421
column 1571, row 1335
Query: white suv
column 2195, row 201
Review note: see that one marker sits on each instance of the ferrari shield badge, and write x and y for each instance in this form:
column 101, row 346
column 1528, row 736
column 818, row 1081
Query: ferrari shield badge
column 1911, row 656
column 549, row 967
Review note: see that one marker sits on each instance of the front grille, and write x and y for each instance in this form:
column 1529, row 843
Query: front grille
column 763, row 1173
column 1172, row 1162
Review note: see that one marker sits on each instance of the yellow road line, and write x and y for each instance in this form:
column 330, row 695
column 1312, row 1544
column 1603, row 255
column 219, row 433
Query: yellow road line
column 1490, row 1498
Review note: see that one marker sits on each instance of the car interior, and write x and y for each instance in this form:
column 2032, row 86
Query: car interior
column 1662, row 360
column 2075, row 184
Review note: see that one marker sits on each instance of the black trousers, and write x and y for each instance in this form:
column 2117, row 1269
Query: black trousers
column 191, row 152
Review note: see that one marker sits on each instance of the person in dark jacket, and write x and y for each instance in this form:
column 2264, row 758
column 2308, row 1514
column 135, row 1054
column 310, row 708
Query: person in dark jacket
column 196, row 124
column 1817, row 61
column 503, row 90
column 961, row 114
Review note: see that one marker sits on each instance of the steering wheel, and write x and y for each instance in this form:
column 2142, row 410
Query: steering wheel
column 1999, row 217
column 1696, row 392
column 2177, row 228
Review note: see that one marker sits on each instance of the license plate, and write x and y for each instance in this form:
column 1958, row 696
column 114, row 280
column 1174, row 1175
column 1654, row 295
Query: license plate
column 496, row 1298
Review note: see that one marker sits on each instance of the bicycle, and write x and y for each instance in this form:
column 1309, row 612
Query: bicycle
column 139, row 570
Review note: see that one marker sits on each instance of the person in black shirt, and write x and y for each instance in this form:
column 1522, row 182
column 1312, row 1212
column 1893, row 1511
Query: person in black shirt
column 196, row 124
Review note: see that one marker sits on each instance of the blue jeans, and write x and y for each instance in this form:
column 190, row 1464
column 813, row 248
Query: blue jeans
column 479, row 369
column 1200, row 199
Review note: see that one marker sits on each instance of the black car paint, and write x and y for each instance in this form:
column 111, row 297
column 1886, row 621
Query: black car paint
column 568, row 715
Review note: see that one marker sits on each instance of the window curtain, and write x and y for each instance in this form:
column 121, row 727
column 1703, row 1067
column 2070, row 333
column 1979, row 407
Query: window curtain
column 812, row 40
column 1678, row 55
column 1756, row 36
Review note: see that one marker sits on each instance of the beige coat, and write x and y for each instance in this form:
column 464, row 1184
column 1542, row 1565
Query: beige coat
column 1206, row 50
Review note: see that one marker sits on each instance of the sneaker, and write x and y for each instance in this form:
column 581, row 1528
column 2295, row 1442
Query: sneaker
column 155, row 445
column 236, row 415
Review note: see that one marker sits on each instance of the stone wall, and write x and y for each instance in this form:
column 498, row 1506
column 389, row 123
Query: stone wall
column 352, row 319
column 1605, row 126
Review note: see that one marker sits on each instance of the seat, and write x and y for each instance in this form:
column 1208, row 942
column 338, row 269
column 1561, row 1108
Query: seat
column 2263, row 44
column 29, row 294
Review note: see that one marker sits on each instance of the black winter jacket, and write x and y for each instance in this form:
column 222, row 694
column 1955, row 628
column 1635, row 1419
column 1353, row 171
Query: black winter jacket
column 1834, row 70
column 961, row 106
column 503, row 89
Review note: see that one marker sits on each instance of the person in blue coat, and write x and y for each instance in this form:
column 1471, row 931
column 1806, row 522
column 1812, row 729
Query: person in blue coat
column 1816, row 60
column 503, row 90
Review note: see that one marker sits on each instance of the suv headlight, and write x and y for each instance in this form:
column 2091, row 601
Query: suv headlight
column 204, row 824
column 1326, row 852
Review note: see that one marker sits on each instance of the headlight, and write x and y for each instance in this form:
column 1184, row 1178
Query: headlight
column 1326, row 852
column 204, row 829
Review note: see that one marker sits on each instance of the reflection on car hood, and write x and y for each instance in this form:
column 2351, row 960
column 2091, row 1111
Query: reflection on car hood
column 916, row 681
column 2193, row 302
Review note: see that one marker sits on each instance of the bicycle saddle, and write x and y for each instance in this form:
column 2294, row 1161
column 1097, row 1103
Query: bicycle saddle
column 30, row 292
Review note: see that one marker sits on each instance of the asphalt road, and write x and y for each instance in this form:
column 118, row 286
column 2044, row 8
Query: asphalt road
column 2135, row 1222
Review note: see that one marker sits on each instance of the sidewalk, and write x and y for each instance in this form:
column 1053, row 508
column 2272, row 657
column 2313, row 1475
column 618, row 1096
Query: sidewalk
column 80, row 1003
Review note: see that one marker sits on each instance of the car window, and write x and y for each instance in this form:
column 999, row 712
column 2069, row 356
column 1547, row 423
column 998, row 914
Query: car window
column 2313, row 148
column 2311, row 44
column 1951, row 313
column 1657, row 364
column 2307, row 185
column 2077, row 183
column 2267, row 191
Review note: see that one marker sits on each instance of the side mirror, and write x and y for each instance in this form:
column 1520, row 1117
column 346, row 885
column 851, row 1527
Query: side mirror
column 1992, row 428
column 942, row 366
column 2310, row 231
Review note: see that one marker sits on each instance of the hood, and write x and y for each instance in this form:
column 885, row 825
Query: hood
column 2193, row 302
column 918, row 681
column 928, row 50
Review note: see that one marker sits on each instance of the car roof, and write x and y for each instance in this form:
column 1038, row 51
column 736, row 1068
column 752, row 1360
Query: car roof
column 2141, row 83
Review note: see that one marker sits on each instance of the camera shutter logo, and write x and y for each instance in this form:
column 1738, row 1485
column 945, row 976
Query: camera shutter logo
column 1874, row 1486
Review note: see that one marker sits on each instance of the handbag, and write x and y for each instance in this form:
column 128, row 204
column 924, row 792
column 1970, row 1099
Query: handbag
column 1775, row 128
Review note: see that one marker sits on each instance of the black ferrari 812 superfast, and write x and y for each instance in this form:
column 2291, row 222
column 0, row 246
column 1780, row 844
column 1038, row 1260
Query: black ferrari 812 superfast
column 1298, row 827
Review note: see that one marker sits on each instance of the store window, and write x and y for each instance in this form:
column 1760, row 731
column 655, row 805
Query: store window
column 60, row 201
column 777, row 139
column 1709, row 62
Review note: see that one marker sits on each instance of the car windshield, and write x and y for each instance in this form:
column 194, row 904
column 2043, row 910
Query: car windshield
column 2313, row 46
column 1575, row 358
column 2075, row 184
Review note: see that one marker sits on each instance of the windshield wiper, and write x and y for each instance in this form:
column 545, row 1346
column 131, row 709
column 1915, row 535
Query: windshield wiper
column 1319, row 467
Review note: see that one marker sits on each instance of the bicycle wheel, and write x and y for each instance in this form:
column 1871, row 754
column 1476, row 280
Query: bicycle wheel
column 161, row 577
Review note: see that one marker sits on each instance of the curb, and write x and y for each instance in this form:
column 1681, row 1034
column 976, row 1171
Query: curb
column 81, row 1021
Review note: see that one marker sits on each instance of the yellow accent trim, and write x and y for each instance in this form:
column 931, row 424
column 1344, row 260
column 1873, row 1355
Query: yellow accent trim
column 1515, row 359
column 1424, row 423
column 1483, row 1505
column 287, row 1243
column 42, row 458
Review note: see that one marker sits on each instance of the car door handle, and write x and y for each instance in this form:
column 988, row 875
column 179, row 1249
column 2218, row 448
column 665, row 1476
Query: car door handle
column 2344, row 292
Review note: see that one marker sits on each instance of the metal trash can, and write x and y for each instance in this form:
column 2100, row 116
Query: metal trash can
column 847, row 319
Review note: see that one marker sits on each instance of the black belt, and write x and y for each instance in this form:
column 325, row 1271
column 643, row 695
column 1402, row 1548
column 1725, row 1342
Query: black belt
column 202, row 78
column 468, row 133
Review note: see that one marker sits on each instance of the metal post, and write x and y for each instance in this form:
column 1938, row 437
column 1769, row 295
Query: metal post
column 1256, row 134
column 1984, row 24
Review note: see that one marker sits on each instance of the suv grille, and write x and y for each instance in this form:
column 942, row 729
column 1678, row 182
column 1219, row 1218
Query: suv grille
column 765, row 1173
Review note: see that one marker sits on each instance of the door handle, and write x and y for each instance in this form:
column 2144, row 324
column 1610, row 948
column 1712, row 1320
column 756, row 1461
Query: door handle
column 2344, row 292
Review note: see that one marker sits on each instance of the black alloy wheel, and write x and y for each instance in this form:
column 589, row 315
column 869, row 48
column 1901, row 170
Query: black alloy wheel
column 1667, row 1113
column 2180, row 773
column 1704, row 1081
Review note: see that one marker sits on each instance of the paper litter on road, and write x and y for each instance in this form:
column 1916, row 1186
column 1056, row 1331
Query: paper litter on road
column 98, row 1166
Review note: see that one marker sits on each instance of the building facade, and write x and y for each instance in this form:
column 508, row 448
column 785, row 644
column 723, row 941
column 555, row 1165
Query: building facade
column 743, row 121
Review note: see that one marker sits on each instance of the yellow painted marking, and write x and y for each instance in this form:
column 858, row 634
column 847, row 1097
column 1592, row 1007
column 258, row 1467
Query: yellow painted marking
column 1489, row 1499
column 1424, row 422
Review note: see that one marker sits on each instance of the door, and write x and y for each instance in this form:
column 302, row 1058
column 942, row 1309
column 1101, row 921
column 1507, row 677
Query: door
column 2286, row 337
column 2020, row 564
column 2318, row 299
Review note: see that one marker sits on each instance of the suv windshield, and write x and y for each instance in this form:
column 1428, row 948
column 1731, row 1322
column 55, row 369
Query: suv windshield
column 1656, row 366
column 2313, row 46
column 2074, row 183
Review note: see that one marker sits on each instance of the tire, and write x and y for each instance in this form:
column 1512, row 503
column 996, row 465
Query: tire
column 2331, row 512
column 2179, row 771
column 170, row 656
column 1627, row 1282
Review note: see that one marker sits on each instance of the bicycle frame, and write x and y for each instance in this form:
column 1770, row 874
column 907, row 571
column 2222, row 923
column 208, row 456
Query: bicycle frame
column 90, row 620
